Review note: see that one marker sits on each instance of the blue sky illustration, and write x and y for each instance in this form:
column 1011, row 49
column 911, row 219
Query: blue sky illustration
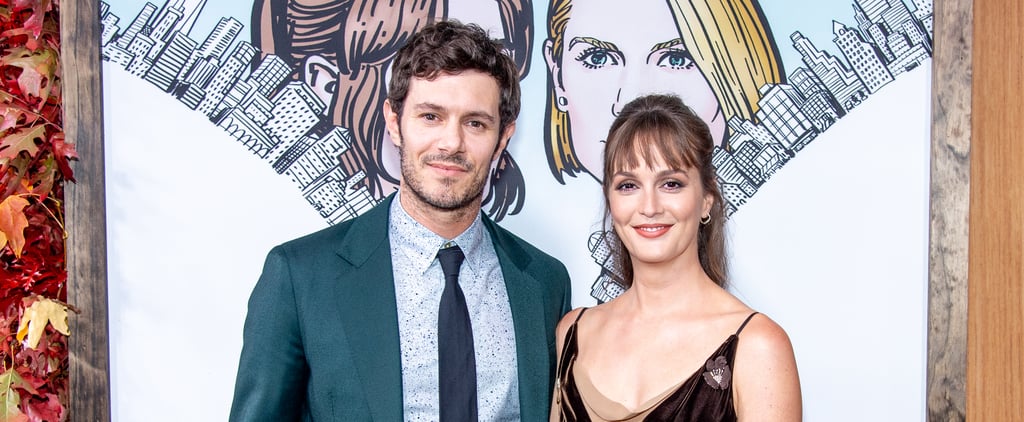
column 813, row 18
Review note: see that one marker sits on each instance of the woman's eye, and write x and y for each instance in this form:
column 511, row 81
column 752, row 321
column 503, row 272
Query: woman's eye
column 596, row 58
column 676, row 59
column 625, row 186
column 673, row 185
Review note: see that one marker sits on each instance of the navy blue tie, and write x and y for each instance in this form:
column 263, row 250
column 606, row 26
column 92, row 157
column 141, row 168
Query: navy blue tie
column 456, row 362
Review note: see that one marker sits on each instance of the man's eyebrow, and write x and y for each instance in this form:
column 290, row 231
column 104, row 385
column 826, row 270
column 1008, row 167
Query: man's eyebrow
column 595, row 42
column 426, row 105
column 481, row 115
column 429, row 106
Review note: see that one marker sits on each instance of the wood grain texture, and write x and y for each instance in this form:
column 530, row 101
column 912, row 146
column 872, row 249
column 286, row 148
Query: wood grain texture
column 86, row 213
column 995, row 382
column 950, row 206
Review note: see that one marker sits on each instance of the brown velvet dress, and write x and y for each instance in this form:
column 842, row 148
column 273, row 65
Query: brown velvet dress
column 706, row 396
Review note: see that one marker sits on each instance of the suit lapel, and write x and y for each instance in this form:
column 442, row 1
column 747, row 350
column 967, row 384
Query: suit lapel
column 366, row 296
column 528, row 316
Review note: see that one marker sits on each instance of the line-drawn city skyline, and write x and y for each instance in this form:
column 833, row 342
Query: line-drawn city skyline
column 284, row 123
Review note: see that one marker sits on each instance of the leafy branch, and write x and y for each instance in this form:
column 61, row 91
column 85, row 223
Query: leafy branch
column 34, row 163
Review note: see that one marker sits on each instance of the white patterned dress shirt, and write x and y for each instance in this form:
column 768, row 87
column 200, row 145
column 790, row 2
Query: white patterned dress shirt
column 419, row 282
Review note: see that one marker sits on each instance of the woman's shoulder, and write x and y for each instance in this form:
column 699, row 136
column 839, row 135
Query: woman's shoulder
column 766, row 375
column 570, row 318
column 764, row 338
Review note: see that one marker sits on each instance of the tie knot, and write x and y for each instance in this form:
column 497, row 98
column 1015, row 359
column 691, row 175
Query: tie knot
column 451, row 259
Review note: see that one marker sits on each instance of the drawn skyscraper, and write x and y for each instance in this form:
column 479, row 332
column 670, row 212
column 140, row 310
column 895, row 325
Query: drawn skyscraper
column 140, row 22
column 227, row 74
column 216, row 43
column 779, row 112
column 842, row 83
column 819, row 104
column 170, row 60
column 862, row 56
column 110, row 28
column 297, row 109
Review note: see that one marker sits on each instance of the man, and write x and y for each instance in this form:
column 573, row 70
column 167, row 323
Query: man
column 343, row 324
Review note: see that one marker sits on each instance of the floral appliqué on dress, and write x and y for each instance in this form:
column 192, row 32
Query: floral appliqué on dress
column 718, row 375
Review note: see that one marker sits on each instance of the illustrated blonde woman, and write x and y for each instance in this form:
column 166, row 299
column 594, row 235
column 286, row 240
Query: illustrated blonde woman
column 715, row 54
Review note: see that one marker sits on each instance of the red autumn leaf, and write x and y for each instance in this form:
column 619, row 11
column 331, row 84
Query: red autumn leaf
column 23, row 139
column 39, row 8
column 46, row 410
column 43, row 179
column 62, row 152
column 36, row 67
column 13, row 223
column 10, row 116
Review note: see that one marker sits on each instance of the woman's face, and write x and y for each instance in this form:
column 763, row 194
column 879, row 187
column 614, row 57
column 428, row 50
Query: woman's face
column 656, row 211
column 613, row 53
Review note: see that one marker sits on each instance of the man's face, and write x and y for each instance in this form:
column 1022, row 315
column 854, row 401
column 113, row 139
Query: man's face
column 448, row 135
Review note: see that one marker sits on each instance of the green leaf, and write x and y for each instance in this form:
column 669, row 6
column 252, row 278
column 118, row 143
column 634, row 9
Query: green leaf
column 23, row 139
column 10, row 400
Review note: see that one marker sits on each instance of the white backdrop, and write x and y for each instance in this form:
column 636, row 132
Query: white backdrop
column 833, row 247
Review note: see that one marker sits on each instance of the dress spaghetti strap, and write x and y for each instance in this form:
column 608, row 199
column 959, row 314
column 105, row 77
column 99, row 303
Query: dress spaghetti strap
column 579, row 315
column 741, row 325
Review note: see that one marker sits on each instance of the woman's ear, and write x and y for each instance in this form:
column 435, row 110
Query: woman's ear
column 555, row 70
column 322, row 76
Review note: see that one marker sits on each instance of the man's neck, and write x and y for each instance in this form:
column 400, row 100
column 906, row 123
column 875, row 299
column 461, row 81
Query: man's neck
column 445, row 223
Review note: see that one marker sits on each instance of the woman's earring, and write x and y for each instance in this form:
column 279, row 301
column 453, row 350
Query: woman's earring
column 562, row 101
column 705, row 219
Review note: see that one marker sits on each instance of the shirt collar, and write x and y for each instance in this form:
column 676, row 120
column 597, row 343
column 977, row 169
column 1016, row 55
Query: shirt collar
column 422, row 245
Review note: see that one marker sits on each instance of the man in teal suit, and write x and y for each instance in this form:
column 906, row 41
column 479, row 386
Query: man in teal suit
column 343, row 323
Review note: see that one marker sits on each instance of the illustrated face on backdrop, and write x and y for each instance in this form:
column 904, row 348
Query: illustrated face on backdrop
column 606, row 63
column 715, row 54
column 343, row 51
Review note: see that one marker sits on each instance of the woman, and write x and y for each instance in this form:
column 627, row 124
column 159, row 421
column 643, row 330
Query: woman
column 343, row 48
column 675, row 345
column 715, row 54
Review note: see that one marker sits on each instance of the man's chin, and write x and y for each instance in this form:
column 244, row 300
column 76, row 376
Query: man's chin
column 444, row 198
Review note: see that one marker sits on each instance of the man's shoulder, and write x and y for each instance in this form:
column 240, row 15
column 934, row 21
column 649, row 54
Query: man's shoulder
column 336, row 234
column 505, row 238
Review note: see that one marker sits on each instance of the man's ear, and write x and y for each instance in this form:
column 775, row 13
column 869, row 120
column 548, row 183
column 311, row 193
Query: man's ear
column 322, row 76
column 503, row 140
column 391, row 121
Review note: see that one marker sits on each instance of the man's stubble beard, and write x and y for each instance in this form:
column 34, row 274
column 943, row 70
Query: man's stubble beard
column 448, row 199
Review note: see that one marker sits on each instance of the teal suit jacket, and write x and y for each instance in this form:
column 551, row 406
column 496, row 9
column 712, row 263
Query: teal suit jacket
column 321, row 334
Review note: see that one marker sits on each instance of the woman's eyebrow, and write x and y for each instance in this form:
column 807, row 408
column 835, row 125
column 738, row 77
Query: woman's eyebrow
column 667, row 44
column 607, row 45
